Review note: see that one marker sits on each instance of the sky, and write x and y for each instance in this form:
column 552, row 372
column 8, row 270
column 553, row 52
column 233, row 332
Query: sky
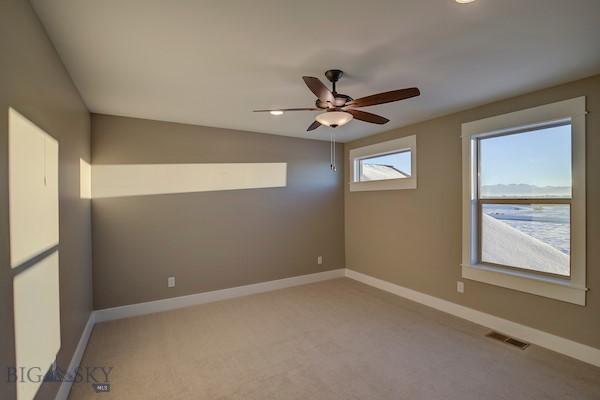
column 399, row 161
column 541, row 158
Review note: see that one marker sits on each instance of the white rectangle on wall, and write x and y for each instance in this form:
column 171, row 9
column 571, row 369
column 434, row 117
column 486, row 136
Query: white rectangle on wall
column 37, row 323
column 151, row 179
column 33, row 189
column 85, row 179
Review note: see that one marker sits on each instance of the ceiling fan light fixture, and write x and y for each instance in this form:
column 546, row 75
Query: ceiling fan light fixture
column 334, row 119
column 276, row 112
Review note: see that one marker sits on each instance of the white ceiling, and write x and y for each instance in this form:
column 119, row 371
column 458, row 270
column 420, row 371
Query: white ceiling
column 212, row 62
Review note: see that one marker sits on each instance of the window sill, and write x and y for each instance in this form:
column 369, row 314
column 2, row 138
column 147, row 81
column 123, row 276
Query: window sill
column 387, row 184
column 554, row 288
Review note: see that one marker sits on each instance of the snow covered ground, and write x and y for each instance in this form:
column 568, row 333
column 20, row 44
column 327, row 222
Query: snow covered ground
column 377, row 172
column 503, row 244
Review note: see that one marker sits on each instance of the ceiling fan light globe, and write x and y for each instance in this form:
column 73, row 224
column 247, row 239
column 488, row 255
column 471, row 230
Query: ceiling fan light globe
column 334, row 119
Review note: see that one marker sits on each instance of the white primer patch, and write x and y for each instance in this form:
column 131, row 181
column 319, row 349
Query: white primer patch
column 151, row 179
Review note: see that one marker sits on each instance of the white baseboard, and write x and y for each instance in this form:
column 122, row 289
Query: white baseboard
column 552, row 342
column 150, row 307
column 65, row 386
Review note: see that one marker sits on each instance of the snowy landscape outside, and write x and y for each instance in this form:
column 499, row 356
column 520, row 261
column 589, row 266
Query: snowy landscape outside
column 535, row 237
column 386, row 166
column 530, row 165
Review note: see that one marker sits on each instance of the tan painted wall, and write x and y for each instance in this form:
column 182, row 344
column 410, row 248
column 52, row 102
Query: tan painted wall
column 211, row 240
column 413, row 237
column 35, row 83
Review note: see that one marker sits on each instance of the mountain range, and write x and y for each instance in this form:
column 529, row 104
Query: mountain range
column 524, row 190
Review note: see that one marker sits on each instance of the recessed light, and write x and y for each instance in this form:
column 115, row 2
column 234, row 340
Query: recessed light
column 464, row 1
column 276, row 112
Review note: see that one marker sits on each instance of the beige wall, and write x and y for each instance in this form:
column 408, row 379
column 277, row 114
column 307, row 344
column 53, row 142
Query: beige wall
column 211, row 240
column 413, row 237
column 35, row 83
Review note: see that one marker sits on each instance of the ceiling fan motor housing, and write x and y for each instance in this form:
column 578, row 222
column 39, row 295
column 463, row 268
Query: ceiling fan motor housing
column 334, row 75
column 339, row 101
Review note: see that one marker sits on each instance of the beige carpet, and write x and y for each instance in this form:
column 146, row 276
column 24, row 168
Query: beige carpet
column 331, row 340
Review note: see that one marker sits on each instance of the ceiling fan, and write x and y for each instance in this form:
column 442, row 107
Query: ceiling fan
column 339, row 109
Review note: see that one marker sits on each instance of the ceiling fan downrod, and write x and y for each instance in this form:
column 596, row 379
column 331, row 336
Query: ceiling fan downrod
column 334, row 75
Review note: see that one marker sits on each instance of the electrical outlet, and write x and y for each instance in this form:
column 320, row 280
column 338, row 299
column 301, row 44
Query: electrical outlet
column 320, row 260
column 460, row 287
column 171, row 281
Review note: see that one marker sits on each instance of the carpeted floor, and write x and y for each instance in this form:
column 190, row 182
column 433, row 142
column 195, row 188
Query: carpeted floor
column 337, row 339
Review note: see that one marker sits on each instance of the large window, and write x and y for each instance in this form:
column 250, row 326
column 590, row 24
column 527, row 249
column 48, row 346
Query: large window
column 524, row 200
column 384, row 166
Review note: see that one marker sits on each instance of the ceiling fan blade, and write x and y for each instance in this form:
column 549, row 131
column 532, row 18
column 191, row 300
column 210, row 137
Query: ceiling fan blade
column 318, row 88
column 289, row 109
column 386, row 97
column 314, row 126
column 368, row 117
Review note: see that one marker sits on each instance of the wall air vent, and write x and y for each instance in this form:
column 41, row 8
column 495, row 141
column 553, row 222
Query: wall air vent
column 506, row 339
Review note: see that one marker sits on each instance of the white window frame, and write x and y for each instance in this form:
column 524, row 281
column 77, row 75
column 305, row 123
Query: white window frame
column 408, row 143
column 571, row 290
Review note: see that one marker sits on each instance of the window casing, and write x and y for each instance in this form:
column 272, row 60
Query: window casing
column 566, row 285
column 387, row 165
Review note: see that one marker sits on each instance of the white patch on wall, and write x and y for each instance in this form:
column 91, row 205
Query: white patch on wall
column 33, row 213
column 37, row 323
column 85, row 179
column 33, row 189
column 150, row 179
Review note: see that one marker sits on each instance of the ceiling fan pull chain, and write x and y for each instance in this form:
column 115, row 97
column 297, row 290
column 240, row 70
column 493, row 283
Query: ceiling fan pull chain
column 332, row 151
column 334, row 166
